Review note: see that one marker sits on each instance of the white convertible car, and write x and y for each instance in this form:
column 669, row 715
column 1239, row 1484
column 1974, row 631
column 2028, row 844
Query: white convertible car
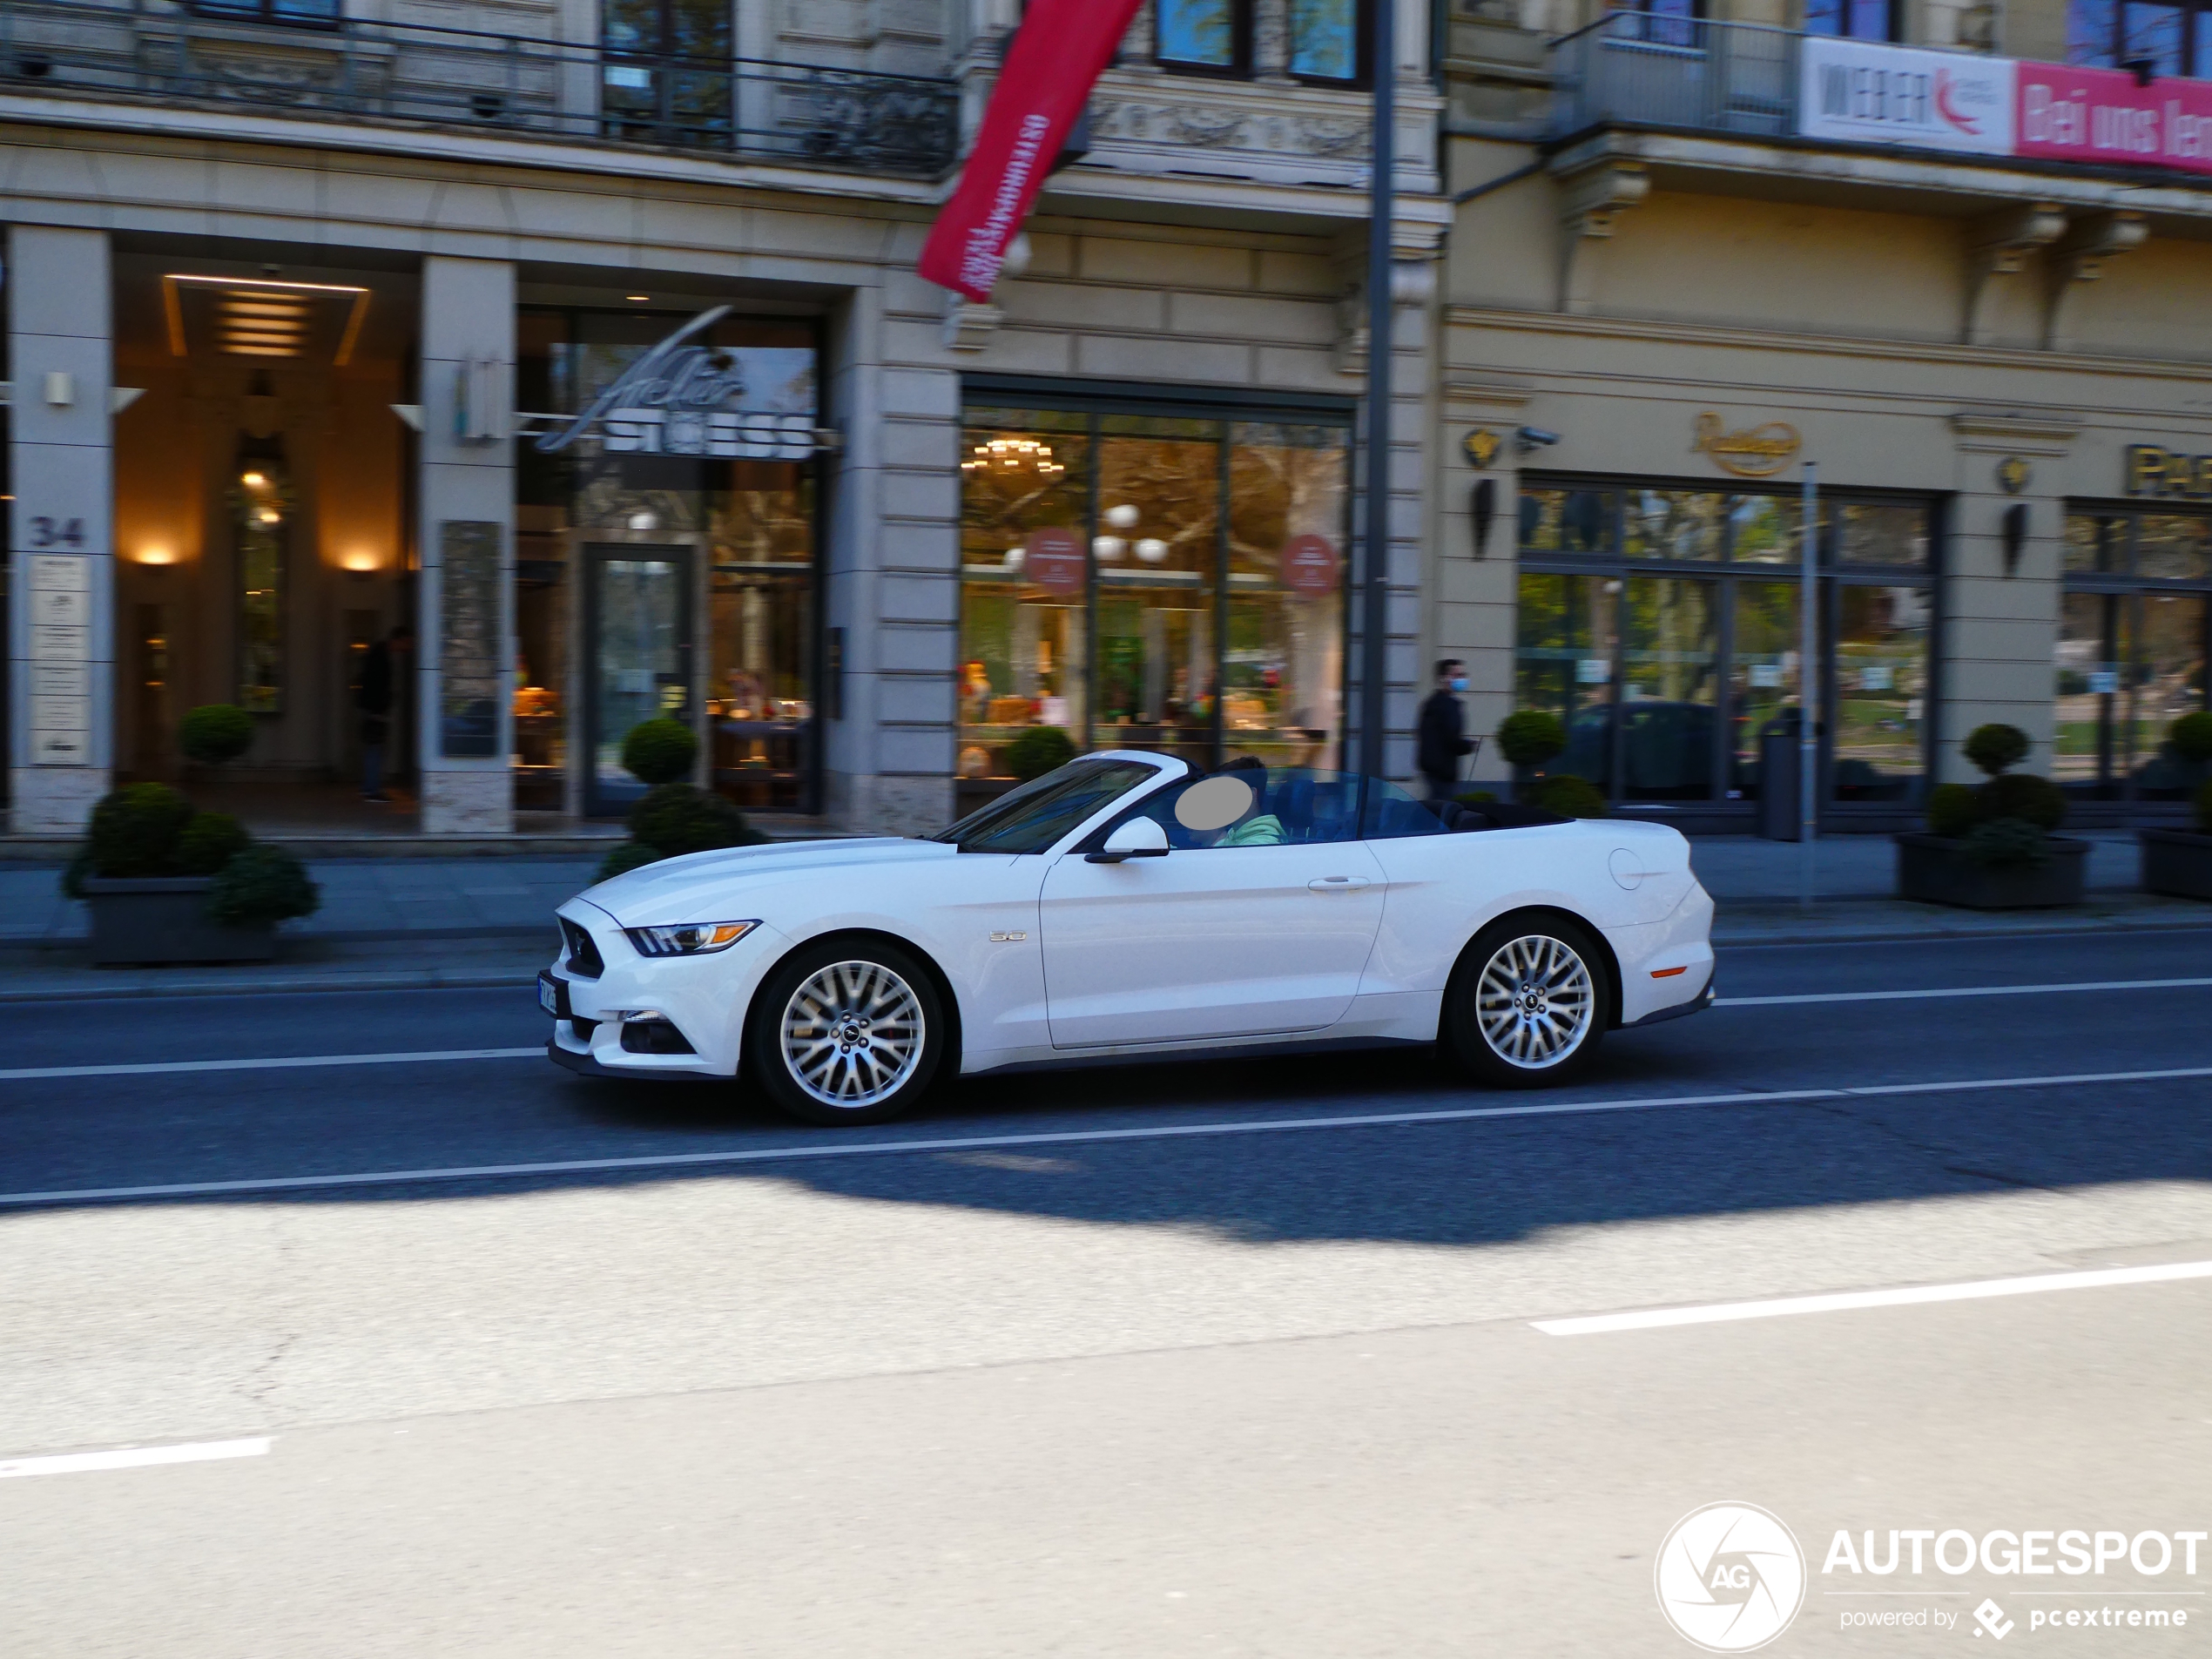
column 1131, row 904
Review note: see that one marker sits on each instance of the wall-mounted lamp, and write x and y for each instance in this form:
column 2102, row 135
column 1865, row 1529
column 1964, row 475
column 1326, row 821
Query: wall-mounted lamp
column 1486, row 504
column 156, row 556
column 361, row 561
column 2015, row 536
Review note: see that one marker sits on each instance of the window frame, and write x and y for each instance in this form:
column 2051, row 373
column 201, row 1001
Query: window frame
column 1241, row 32
column 265, row 14
column 2195, row 41
column 1363, row 66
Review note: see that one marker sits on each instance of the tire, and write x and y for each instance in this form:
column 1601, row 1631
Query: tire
column 845, row 1033
column 1527, row 1004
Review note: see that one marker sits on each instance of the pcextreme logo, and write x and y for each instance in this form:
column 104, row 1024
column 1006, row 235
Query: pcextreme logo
column 1729, row 1577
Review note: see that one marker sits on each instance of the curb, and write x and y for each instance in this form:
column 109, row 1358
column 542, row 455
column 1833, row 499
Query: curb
column 270, row 985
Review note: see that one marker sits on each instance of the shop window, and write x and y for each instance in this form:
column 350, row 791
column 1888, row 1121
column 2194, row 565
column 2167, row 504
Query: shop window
column 1150, row 581
column 1670, row 655
column 1204, row 37
column 2167, row 40
column 685, row 574
column 2130, row 654
column 1662, row 22
column 1854, row 19
column 261, row 506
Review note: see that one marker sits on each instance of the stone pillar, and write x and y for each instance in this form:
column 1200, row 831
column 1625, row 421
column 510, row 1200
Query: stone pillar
column 465, row 635
column 62, row 556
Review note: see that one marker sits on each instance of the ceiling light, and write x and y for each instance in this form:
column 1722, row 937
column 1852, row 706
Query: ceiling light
column 640, row 297
column 254, row 480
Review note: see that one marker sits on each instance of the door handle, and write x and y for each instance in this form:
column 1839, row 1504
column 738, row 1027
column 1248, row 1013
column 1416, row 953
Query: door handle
column 1335, row 883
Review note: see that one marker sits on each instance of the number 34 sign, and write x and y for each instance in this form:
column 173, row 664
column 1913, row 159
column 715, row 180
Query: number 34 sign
column 56, row 532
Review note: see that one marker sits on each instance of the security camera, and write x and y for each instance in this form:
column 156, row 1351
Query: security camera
column 1533, row 437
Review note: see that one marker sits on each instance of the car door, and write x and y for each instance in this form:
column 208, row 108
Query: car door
column 1250, row 925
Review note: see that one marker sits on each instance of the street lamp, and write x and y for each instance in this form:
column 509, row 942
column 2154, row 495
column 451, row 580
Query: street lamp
column 1374, row 617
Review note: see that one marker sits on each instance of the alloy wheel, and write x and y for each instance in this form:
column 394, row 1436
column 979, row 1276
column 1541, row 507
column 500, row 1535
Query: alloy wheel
column 1534, row 1001
column 853, row 1033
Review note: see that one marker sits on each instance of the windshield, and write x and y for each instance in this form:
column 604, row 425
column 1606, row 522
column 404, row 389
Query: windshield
column 1033, row 818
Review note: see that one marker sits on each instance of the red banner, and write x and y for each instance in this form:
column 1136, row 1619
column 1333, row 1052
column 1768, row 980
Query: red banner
column 2106, row 114
column 1057, row 57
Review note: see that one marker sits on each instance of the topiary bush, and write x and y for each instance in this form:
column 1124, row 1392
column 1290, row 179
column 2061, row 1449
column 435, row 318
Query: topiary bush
column 1952, row 809
column 215, row 733
column 261, row 886
column 2022, row 795
column 135, row 830
column 1037, row 750
column 2191, row 737
column 1568, row 796
column 659, row 752
column 209, row 841
column 1530, row 737
column 675, row 818
column 1994, row 747
column 2204, row 808
column 626, row 856
column 2008, row 844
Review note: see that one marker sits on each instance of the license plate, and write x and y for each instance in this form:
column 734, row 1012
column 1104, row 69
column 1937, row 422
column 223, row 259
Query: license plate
column 549, row 994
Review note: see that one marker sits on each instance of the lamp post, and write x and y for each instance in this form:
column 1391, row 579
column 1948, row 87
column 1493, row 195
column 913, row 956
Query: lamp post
column 1375, row 613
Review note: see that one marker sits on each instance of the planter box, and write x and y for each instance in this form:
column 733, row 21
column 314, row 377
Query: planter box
column 2176, row 862
column 164, row 919
column 1935, row 869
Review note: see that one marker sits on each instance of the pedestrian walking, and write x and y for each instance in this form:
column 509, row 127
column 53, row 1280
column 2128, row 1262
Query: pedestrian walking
column 1443, row 730
column 373, row 700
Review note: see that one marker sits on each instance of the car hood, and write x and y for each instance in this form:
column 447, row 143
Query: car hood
column 684, row 889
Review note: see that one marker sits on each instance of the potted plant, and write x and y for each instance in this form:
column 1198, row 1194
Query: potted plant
column 673, row 816
column 1990, row 846
column 167, row 884
column 1528, row 738
column 2180, row 861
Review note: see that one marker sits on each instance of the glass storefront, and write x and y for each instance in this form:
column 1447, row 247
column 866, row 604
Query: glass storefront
column 1159, row 580
column 2130, row 654
column 668, row 565
column 1661, row 626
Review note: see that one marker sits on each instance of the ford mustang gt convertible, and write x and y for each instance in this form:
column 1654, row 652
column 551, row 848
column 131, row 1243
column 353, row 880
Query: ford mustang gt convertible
column 1131, row 904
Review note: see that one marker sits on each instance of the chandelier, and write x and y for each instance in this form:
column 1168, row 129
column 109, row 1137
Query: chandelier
column 1013, row 455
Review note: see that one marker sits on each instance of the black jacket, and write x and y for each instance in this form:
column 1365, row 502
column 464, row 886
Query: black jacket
column 1443, row 726
column 375, row 697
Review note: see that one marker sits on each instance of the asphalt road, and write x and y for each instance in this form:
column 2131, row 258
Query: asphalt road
column 1142, row 1361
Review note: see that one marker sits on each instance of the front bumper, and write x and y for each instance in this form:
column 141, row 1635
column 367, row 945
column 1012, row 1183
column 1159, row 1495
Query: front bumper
column 705, row 998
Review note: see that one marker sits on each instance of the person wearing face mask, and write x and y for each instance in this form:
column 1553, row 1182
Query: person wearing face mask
column 1443, row 739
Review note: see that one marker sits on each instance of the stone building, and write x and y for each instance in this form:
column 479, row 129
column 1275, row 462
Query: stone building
column 581, row 337
column 1951, row 256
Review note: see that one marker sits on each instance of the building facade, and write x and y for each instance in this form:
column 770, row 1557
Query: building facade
column 1949, row 256
column 581, row 338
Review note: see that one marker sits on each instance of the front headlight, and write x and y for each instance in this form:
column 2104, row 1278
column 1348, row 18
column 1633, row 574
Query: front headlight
column 691, row 939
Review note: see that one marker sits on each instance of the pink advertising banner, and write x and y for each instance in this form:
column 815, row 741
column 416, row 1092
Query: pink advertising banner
column 2105, row 115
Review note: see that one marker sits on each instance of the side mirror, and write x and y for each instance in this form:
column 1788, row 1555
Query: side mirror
column 1140, row 838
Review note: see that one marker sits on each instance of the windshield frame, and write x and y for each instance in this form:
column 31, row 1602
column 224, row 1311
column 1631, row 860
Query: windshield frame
column 960, row 833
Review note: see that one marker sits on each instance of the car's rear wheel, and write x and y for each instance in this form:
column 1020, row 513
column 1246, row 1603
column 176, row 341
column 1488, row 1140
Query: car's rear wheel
column 1527, row 1004
column 846, row 1032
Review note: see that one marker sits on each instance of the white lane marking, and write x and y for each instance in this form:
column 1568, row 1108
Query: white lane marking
column 838, row 1149
column 157, row 1067
column 133, row 1457
column 1844, row 1301
column 1960, row 990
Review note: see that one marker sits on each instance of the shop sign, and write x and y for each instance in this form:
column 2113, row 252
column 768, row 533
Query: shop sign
column 1866, row 93
column 1755, row 452
column 1310, row 564
column 2106, row 114
column 683, row 399
column 2153, row 470
column 61, row 648
column 1053, row 560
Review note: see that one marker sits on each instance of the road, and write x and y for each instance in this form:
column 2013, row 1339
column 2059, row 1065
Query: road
column 1251, row 1358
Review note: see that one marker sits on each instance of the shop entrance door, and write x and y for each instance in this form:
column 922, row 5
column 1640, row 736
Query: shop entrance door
column 637, row 651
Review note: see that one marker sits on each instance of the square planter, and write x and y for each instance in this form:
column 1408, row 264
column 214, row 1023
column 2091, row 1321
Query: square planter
column 2176, row 862
column 1934, row 869
column 164, row 919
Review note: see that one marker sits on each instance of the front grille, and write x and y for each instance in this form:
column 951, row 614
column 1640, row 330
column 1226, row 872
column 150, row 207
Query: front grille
column 584, row 955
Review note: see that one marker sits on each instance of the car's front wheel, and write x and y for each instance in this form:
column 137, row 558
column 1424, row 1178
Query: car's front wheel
column 1528, row 1002
column 846, row 1032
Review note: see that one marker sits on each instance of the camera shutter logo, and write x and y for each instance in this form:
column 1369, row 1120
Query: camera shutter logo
column 1729, row 1577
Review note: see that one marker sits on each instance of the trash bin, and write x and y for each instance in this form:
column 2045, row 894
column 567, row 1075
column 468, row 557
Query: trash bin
column 1778, row 776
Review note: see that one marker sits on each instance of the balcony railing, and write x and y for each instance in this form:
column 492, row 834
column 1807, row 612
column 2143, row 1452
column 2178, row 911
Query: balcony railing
column 1637, row 68
column 418, row 75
